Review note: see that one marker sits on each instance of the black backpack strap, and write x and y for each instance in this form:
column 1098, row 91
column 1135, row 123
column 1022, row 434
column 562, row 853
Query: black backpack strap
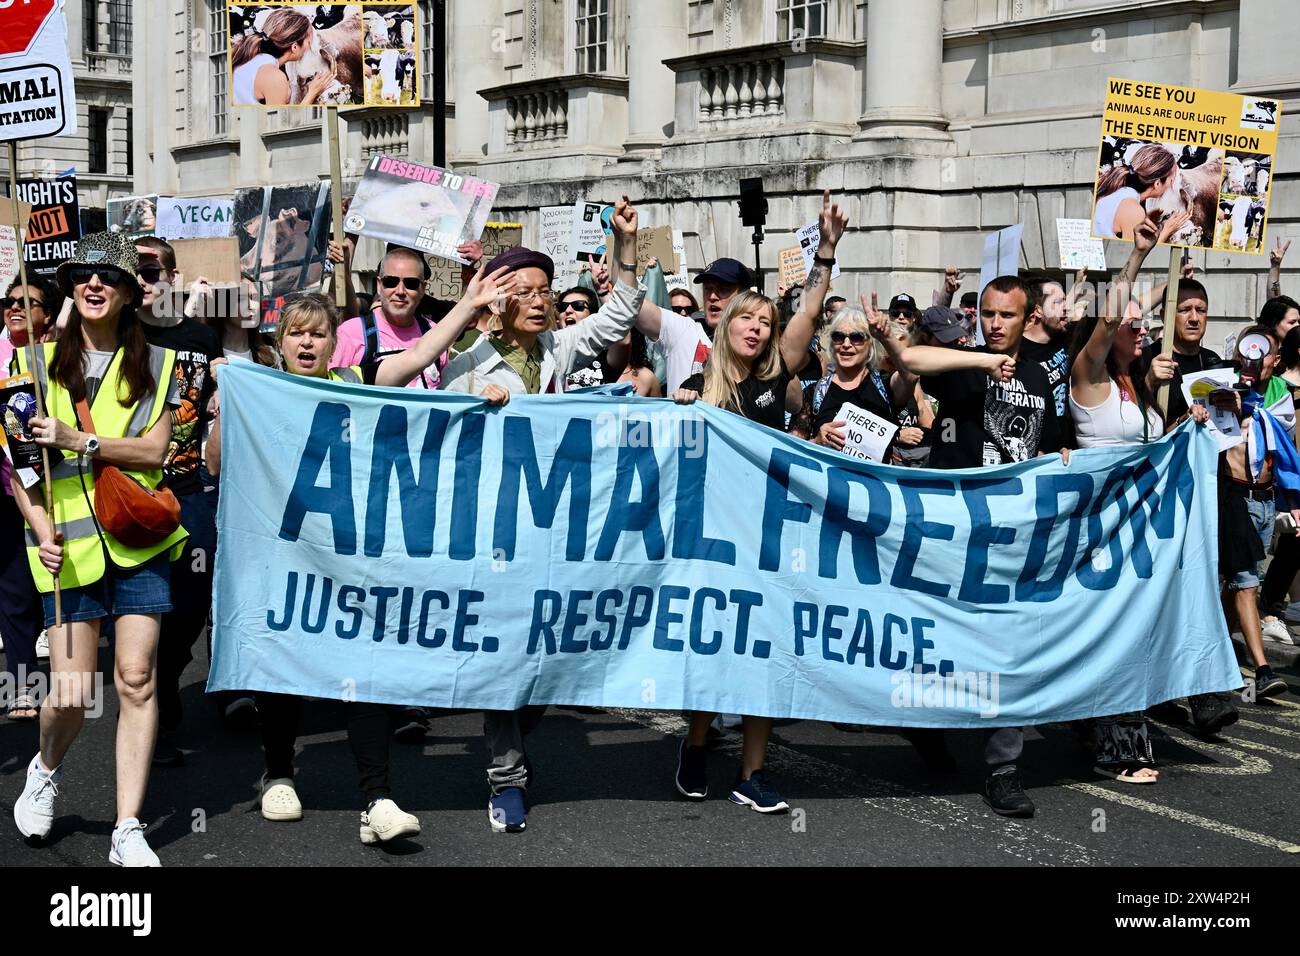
column 370, row 332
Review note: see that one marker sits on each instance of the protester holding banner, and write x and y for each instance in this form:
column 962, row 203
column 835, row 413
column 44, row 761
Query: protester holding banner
column 752, row 364
column 102, row 575
column 685, row 342
column 258, row 58
column 196, row 347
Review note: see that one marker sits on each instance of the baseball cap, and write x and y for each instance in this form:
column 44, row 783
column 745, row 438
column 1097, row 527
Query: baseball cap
column 729, row 271
column 946, row 325
column 970, row 300
column 903, row 301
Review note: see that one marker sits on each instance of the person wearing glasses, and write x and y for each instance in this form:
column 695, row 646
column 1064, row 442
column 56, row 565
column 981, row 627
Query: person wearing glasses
column 103, row 359
column 683, row 303
column 20, row 602
column 525, row 357
column 902, row 308
column 572, row 307
column 196, row 346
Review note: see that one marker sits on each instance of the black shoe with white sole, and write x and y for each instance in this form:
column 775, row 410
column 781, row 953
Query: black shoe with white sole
column 1005, row 793
column 759, row 794
column 692, row 777
column 1268, row 684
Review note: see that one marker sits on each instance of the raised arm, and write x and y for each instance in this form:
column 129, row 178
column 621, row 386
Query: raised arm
column 1275, row 257
column 1088, row 375
column 952, row 277
column 480, row 292
column 626, row 301
column 798, row 335
column 904, row 382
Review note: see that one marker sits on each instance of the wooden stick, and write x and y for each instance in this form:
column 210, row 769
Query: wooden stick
column 1170, row 319
column 31, row 363
column 336, row 204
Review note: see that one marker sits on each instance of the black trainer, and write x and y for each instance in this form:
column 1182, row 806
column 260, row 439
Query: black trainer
column 411, row 725
column 1211, row 713
column 166, row 753
column 1268, row 684
column 1005, row 793
column 692, row 778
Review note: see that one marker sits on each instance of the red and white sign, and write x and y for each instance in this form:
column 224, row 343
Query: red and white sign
column 36, row 94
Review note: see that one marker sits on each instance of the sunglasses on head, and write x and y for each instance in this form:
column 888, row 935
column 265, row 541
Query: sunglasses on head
column 577, row 305
column 409, row 283
column 80, row 275
column 855, row 338
column 16, row 302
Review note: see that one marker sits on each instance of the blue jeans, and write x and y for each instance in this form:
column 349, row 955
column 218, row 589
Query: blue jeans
column 142, row 590
column 1262, row 514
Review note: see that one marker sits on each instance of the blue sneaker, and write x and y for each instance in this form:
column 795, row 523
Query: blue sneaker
column 692, row 777
column 757, row 793
column 506, row 811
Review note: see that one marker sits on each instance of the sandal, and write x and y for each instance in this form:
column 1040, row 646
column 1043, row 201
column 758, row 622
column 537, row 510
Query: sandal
column 1126, row 774
column 23, row 708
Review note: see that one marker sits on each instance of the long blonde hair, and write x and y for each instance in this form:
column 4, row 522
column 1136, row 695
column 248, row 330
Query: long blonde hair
column 725, row 369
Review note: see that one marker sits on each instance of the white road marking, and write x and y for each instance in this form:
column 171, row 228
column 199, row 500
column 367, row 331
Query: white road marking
column 1022, row 841
column 1182, row 816
column 1281, row 731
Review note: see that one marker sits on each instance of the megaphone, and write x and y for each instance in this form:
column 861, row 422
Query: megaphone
column 1252, row 350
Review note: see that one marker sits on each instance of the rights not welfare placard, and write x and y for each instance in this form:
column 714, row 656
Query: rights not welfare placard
column 55, row 226
column 424, row 207
column 1197, row 163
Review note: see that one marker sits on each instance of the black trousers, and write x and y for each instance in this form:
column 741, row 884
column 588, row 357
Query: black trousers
column 191, row 584
column 369, row 731
column 1281, row 571
column 21, row 614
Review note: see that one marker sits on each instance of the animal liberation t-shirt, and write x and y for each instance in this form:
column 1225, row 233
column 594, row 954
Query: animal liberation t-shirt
column 991, row 423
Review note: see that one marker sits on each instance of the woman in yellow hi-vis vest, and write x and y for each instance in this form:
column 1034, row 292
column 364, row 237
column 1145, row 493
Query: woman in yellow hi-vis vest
column 306, row 339
column 103, row 358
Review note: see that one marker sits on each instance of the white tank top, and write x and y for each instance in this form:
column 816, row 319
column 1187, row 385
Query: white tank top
column 1103, row 218
column 244, row 77
column 1113, row 422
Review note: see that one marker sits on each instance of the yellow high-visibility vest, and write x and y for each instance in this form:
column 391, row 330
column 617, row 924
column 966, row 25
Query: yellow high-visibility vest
column 85, row 544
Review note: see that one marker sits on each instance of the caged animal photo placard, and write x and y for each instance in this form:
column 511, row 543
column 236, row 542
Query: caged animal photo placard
column 324, row 54
column 1196, row 163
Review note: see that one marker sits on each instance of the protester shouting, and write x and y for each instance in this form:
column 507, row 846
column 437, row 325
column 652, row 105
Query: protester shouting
column 305, row 336
column 20, row 603
column 102, row 365
column 992, row 410
column 752, row 364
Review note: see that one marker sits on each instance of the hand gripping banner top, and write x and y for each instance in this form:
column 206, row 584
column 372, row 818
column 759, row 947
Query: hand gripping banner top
column 423, row 548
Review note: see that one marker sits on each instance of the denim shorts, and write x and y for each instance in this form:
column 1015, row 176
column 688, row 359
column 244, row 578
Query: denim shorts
column 1262, row 515
column 142, row 590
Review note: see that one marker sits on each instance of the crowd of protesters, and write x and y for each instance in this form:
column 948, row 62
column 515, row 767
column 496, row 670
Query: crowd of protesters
column 1024, row 369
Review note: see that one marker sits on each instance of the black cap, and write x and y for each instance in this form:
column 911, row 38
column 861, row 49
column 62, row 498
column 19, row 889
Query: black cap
column 727, row 270
column 970, row 300
column 903, row 301
column 946, row 325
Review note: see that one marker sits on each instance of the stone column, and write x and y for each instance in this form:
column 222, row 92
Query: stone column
column 903, row 95
column 476, row 46
column 656, row 32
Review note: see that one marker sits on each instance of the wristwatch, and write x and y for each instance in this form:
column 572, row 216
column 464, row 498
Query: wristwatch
column 92, row 446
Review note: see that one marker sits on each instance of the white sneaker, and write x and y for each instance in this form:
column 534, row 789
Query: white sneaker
column 129, row 847
column 384, row 820
column 34, row 811
column 43, row 646
column 1276, row 631
column 280, row 800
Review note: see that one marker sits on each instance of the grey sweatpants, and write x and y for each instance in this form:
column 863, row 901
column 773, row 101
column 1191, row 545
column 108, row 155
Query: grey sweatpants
column 1002, row 746
column 504, row 731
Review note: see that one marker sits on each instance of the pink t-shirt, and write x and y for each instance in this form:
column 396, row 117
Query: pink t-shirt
column 351, row 346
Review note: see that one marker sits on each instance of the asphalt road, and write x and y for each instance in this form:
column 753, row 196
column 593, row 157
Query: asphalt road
column 604, row 795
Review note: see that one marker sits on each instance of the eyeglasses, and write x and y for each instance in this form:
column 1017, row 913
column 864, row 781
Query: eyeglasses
column 409, row 283
column 575, row 305
column 855, row 338
column 682, row 309
column 80, row 275
column 16, row 302
column 150, row 274
column 527, row 295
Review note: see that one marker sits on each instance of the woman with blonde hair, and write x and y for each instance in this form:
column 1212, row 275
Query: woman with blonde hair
column 751, row 365
column 259, row 56
column 1123, row 189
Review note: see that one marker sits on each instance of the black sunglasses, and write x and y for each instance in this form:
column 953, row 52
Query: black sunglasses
column 902, row 314
column 16, row 302
column 410, row 283
column 856, row 338
column 150, row 274
column 682, row 309
column 111, row 277
column 577, row 305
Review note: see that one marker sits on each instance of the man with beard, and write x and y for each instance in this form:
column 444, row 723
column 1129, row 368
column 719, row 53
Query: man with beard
column 1046, row 341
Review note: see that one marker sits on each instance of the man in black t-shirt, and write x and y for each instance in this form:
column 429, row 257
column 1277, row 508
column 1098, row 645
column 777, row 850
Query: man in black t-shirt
column 1046, row 342
column 992, row 410
column 1189, row 329
column 196, row 346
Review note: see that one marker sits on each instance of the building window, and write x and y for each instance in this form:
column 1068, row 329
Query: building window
column 592, row 36
column 118, row 14
column 97, row 135
column 427, row 17
column 800, row 18
column 130, row 143
column 218, row 70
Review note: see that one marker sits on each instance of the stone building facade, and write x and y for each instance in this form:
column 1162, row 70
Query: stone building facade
column 934, row 121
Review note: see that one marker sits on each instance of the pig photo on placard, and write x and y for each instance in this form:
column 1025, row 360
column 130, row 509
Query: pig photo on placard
column 134, row 215
column 283, row 234
column 296, row 54
column 1174, row 186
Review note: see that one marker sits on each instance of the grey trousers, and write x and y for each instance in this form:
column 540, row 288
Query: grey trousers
column 504, row 732
column 1002, row 746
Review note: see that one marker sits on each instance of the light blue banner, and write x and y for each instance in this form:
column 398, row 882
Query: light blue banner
column 422, row 548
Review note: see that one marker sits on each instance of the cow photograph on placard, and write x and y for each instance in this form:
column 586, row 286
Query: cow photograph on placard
column 320, row 54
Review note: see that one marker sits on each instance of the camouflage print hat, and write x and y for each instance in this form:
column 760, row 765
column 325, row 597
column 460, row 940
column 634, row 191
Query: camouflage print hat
column 110, row 250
